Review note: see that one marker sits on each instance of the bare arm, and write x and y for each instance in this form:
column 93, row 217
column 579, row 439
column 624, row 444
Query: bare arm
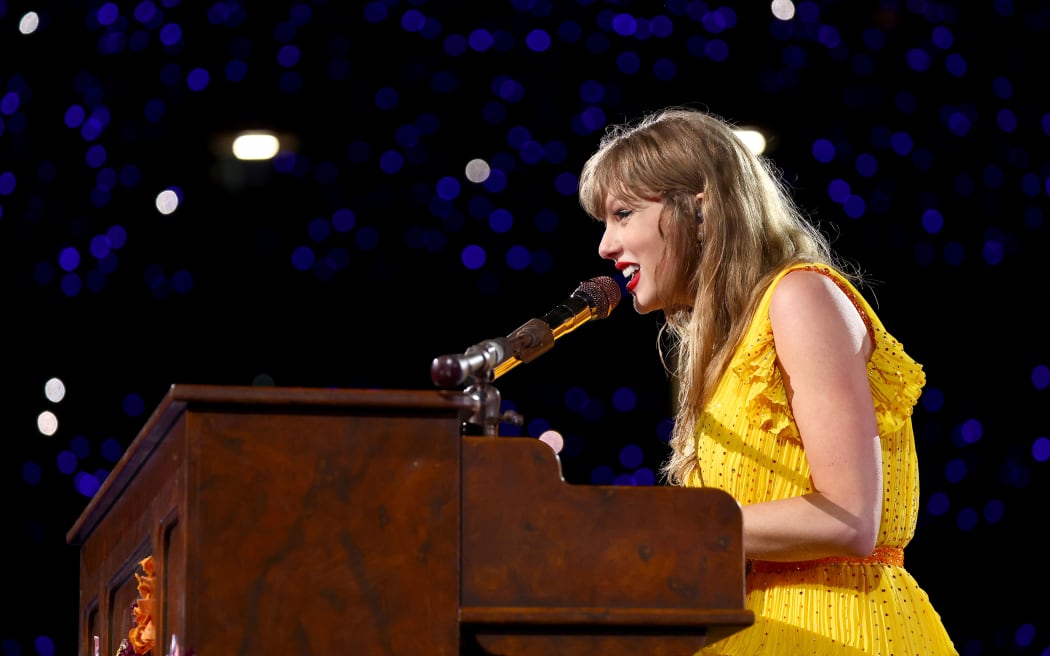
column 822, row 349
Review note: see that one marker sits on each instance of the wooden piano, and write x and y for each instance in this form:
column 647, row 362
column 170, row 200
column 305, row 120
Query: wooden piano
column 340, row 521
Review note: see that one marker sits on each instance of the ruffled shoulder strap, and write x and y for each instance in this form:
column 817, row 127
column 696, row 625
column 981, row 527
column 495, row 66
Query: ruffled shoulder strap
column 896, row 379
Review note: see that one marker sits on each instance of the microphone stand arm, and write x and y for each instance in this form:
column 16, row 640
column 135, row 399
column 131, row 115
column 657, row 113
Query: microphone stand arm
column 482, row 363
column 487, row 360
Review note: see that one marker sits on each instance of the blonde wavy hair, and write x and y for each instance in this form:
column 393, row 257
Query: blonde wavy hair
column 749, row 230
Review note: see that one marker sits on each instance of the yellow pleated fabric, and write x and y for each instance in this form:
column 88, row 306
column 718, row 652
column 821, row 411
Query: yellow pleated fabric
column 748, row 445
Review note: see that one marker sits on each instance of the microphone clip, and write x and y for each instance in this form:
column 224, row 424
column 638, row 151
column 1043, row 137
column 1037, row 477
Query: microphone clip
column 476, row 368
column 487, row 415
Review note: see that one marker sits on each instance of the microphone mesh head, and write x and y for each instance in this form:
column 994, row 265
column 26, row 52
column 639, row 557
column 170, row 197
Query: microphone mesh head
column 603, row 292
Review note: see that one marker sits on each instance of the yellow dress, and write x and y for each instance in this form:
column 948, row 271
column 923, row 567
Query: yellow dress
column 748, row 445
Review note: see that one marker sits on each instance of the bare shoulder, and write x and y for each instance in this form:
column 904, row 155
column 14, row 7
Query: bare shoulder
column 808, row 290
column 809, row 307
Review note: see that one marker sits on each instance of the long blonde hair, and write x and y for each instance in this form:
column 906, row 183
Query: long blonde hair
column 749, row 230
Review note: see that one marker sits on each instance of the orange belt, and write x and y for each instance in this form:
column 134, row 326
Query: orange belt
column 880, row 556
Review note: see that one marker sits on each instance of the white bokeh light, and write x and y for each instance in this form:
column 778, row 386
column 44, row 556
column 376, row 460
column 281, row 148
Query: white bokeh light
column 753, row 139
column 478, row 170
column 55, row 390
column 256, row 146
column 29, row 23
column 783, row 9
column 47, row 423
column 167, row 201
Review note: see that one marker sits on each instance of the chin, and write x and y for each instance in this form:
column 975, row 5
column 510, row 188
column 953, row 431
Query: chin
column 641, row 308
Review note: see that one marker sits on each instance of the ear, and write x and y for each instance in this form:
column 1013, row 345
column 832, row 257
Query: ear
column 699, row 206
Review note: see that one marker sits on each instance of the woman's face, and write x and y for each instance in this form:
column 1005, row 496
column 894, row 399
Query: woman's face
column 632, row 240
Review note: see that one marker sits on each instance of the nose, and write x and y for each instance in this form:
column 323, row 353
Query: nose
column 609, row 246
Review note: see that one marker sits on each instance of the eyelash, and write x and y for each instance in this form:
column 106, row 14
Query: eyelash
column 623, row 215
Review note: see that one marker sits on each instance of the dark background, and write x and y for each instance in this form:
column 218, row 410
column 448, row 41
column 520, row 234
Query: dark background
column 938, row 187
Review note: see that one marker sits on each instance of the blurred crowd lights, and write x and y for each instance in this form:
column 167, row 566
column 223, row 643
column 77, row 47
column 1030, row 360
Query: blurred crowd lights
column 54, row 392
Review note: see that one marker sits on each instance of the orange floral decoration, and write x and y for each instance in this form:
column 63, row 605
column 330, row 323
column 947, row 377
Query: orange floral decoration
column 141, row 635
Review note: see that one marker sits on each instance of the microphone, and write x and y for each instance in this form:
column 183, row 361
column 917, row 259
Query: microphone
column 593, row 299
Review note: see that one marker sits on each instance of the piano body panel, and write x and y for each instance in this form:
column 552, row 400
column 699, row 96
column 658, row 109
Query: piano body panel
column 656, row 562
column 319, row 521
